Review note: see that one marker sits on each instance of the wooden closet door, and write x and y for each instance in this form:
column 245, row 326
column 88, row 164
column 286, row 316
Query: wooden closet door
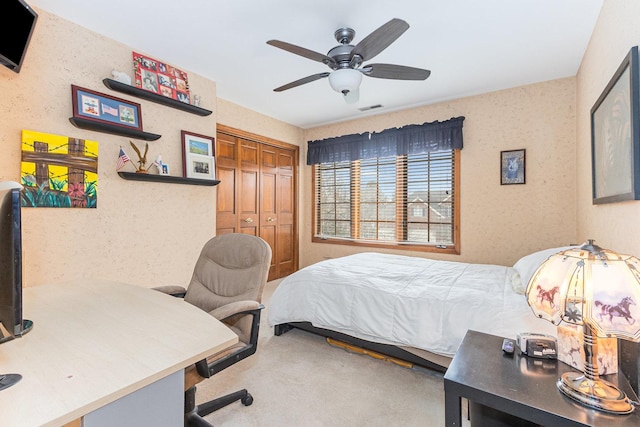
column 237, row 196
column 268, row 203
column 277, row 208
column 248, row 189
column 286, row 234
column 227, row 173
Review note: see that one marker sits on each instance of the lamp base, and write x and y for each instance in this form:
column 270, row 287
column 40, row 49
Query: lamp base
column 597, row 394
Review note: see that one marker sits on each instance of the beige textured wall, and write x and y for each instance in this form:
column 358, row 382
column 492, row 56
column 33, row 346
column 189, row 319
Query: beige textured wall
column 238, row 117
column 614, row 226
column 499, row 224
column 141, row 232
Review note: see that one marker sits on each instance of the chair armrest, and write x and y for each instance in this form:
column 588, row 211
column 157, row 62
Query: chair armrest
column 252, row 308
column 175, row 291
column 234, row 308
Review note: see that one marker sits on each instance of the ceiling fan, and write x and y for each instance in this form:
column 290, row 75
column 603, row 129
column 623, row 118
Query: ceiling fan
column 346, row 60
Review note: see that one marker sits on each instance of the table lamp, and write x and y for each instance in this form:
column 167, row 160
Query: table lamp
column 599, row 290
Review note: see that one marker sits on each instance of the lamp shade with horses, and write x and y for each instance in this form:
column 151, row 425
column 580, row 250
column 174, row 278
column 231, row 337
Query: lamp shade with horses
column 599, row 290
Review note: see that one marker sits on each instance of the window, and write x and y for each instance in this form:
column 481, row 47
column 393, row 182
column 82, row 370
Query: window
column 403, row 201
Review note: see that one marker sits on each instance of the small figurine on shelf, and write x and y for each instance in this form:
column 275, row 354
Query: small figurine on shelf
column 121, row 77
column 162, row 170
column 142, row 159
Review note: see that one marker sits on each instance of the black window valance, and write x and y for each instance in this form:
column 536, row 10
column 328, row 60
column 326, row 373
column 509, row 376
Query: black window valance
column 410, row 139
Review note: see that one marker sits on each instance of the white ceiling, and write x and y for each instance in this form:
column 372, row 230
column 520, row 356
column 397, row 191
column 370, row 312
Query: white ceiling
column 470, row 46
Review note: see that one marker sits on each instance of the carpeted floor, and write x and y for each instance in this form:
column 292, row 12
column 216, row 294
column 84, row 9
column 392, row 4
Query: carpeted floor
column 297, row 379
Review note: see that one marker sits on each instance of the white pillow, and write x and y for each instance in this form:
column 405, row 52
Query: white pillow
column 528, row 264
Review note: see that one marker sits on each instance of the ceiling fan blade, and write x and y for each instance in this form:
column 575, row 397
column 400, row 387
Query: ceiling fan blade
column 302, row 81
column 378, row 40
column 396, row 72
column 309, row 54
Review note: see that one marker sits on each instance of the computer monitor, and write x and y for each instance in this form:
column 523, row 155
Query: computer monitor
column 12, row 324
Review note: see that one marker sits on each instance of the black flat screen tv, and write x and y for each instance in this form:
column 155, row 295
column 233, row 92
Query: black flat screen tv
column 18, row 22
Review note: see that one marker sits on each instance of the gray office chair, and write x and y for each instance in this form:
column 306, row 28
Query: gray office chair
column 228, row 282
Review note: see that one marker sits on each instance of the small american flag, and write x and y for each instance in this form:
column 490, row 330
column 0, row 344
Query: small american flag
column 122, row 159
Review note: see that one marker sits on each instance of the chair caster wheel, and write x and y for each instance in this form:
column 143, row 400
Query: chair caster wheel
column 247, row 400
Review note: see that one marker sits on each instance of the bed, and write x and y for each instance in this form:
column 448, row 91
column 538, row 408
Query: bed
column 411, row 308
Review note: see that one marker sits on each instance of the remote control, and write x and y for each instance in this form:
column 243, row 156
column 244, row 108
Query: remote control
column 508, row 346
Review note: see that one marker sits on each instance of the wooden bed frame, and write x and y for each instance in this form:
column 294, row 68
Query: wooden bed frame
column 383, row 349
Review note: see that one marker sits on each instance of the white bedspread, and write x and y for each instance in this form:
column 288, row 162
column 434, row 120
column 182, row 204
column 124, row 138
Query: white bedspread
column 406, row 301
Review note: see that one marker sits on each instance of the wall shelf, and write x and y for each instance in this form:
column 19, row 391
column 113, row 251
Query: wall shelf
column 115, row 130
column 133, row 176
column 154, row 97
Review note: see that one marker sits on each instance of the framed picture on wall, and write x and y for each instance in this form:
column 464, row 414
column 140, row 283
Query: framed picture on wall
column 615, row 136
column 102, row 108
column 198, row 155
column 512, row 167
column 161, row 78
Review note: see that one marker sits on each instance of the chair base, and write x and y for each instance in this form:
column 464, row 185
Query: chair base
column 194, row 413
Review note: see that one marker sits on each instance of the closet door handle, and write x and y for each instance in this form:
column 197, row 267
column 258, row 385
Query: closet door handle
column 270, row 219
column 249, row 220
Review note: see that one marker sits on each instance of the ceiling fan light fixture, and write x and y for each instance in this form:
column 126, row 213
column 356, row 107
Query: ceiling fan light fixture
column 352, row 97
column 345, row 80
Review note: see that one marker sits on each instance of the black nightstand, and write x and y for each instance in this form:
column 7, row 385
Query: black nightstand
column 501, row 387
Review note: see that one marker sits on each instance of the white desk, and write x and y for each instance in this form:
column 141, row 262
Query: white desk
column 94, row 343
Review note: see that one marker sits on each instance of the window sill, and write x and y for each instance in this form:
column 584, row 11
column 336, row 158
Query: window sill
column 449, row 249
